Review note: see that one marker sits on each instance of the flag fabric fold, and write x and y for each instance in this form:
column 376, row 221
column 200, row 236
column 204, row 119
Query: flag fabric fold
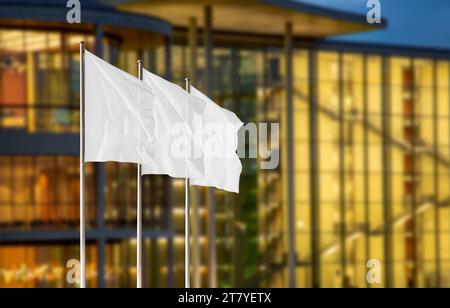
column 219, row 139
column 175, row 114
column 119, row 119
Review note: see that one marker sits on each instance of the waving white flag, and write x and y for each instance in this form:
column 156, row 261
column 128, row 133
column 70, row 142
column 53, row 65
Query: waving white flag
column 175, row 115
column 118, row 115
column 219, row 131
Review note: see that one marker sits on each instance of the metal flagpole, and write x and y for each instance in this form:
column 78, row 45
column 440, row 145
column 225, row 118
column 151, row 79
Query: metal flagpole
column 82, row 175
column 187, row 232
column 139, row 207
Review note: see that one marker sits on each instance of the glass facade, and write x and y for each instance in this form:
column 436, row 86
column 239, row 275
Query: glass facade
column 381, row 173
column 39, row 85
column 42, row 192
column 383, row 169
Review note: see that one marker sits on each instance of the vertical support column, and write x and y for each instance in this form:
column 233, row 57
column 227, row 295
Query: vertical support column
column 170, row 240
column 289, row 63
column 65, row 69
column 437, row 222
column 448, row 116
column 100, row 178
column 366, row 163
column 209, row 82
column 386, row 161
column 192, row 42
column 237, row 278
column 413, row 139
column 196, row 223
column 314, row 170
column 342, row 197
column 99, row 35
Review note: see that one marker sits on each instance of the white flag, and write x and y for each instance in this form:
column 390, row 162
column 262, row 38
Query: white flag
column 175, row 115
column 219, row 131
column 119, row 123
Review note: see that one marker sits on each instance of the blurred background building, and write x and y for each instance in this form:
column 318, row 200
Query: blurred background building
column 365, row 147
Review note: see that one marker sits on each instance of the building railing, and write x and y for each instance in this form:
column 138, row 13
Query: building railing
column 39, row 118
column 65, row 216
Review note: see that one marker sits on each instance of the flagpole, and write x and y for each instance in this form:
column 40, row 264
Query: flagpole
column 139, row 208
column 187, row 232
column 82, row 175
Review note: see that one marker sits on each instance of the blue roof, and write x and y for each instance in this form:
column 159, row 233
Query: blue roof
column 412, row 23
column 313, row 8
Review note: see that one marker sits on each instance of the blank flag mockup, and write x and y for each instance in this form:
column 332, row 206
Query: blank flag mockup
column 159, row 125
column 175, row 113
column 219, row 130
column 119, row 120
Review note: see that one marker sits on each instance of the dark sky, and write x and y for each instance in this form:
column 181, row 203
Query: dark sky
column 424, row 23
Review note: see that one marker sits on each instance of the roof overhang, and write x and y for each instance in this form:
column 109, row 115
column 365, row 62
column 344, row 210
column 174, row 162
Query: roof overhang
column 51, row 14
column 255, row 16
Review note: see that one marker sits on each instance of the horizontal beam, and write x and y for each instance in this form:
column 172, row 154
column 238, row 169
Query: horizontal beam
column 23, row 143
column 109, row 16
column 224, row 38
column 32, row 237
column 377, row 49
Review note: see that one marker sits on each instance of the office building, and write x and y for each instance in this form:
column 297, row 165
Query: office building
column 365, row 149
